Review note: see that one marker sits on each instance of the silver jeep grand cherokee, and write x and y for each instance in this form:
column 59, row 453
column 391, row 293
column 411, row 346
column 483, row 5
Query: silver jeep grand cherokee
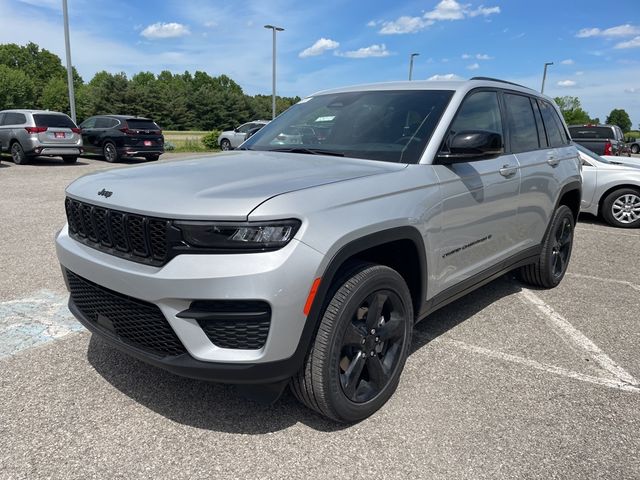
column 308, row 263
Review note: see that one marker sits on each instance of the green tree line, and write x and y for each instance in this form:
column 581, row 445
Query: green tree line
column 31, row 77
column 574, row 114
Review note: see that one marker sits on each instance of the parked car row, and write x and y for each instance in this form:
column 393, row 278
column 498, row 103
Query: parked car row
column 37, row 133
column 600, row 139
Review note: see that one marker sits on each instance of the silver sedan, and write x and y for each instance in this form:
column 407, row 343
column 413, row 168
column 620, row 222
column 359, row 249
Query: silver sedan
column 611, row 188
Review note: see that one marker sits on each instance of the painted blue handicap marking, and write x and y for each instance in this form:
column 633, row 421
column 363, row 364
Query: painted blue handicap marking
column 32, row 321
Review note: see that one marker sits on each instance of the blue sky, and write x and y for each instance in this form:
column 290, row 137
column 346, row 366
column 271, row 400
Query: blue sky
column 595, row 45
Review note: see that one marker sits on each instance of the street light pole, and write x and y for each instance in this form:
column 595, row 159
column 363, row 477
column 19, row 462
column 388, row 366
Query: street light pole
column 67, row 46
column 411, row 64
column 273, row 96
column 544, row 75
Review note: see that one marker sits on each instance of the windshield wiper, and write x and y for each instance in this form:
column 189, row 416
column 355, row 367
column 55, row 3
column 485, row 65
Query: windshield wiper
column 309, row 151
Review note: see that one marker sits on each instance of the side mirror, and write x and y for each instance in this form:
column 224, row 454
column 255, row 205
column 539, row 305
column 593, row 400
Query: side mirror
column 472, row 145
column 236, row 130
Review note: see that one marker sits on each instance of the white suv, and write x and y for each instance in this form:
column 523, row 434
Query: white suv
column 233, row 138
column 308, row 264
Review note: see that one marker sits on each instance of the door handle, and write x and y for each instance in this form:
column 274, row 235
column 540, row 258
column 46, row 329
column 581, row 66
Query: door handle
column 508, row 170
column 553, row 161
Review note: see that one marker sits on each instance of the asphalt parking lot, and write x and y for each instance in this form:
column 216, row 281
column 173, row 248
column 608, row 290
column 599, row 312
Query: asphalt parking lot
column 505, row 383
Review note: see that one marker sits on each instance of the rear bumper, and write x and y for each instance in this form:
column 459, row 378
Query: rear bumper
column 138, row 151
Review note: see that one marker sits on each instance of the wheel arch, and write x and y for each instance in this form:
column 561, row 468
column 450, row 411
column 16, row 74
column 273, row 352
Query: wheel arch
column 571, row 196
column 612, row 189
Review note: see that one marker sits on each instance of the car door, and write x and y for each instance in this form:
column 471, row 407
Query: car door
column 4, row 144
column 479, row 198
column 88, row 134
column 240, row 134
column 543, row 172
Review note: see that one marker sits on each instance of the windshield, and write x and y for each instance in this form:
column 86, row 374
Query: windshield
column 591, row 132
column 392, row 126
column 592, row 155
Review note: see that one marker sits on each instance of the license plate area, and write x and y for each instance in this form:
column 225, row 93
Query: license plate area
column 59, row 135
column 148, row 143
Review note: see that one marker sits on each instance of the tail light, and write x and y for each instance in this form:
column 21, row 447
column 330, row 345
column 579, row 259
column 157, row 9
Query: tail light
column 127, row 131
column 76, row 130
column 607, row 148
column 35, row 129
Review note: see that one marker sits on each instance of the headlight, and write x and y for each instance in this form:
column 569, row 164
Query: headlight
column 239, row 236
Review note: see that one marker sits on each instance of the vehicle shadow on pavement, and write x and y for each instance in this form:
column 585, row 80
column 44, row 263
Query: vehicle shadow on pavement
column 50, row 162
column 121, row 162
column 220, row 407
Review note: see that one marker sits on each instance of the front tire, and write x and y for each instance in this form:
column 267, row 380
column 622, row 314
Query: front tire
column 110, row 152
column 621, row 208
column 225, row 145
column 17, row 154
column 553, row 261
column 360, row 349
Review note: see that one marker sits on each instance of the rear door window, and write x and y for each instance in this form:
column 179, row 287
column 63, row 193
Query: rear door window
column 89, row 123
column 53, row 120
column 13, row 118
column 103, row 122
column 522, row 123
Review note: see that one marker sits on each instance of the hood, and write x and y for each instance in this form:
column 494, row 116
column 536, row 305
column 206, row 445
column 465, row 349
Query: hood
column 619, row 162
column 226, row 186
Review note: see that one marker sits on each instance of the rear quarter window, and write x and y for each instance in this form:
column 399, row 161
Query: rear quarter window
column 523, row 132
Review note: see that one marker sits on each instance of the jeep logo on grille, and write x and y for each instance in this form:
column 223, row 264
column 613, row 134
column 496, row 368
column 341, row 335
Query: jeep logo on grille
column 105, row 193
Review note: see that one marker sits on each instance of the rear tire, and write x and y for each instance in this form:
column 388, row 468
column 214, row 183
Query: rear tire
column 69, row 159
column 17, row 154
column 110, row 152
column 553, row 261
column 635, row 148
column 621, row 208
column 360, row 349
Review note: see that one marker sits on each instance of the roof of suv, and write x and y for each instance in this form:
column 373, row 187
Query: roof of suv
column 28, row 110
column 124, row 117
column 434, row 85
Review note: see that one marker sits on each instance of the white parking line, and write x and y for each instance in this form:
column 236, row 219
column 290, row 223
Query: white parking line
column 606, row 280
column 568, row 331
column 607, row 382
column 611, row 231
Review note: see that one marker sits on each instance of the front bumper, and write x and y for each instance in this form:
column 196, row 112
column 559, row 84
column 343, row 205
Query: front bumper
column 282, row 278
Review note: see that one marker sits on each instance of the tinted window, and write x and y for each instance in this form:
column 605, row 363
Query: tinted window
column 542, row 137
column 479, row 111
column 245, row 128
column 1, row 119
column 387, row 125
column 88, row 123
column 102, row 122
column 15, row 119
column 591, row 132
column 522, row 123
column 555, row 135
column 53, row 120
column 142, row 124
column 113, row 123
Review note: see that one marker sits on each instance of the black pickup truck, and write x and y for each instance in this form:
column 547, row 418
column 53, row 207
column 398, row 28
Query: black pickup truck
column 600, row 139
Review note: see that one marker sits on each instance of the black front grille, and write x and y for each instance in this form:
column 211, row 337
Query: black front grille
column 134, row 237
column 135, row 322
column 238, row 324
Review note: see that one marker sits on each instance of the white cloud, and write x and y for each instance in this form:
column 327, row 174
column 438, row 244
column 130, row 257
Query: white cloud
column 632, row 90
column 210, row 24
column 568, row 61
column 404, row 25
column 444, row 78
column 466, row 56
column 485, row 12
column 483, row 56
column 566, row 83
column 319, row 48
column 579, row 73
column 445, row 10
column 625, row 30
column 633, row 43
column 474, row 66
column 365, row 52
column 372, row 23
column 165, row 30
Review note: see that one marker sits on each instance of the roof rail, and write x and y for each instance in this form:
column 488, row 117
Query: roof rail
column 501, row 81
